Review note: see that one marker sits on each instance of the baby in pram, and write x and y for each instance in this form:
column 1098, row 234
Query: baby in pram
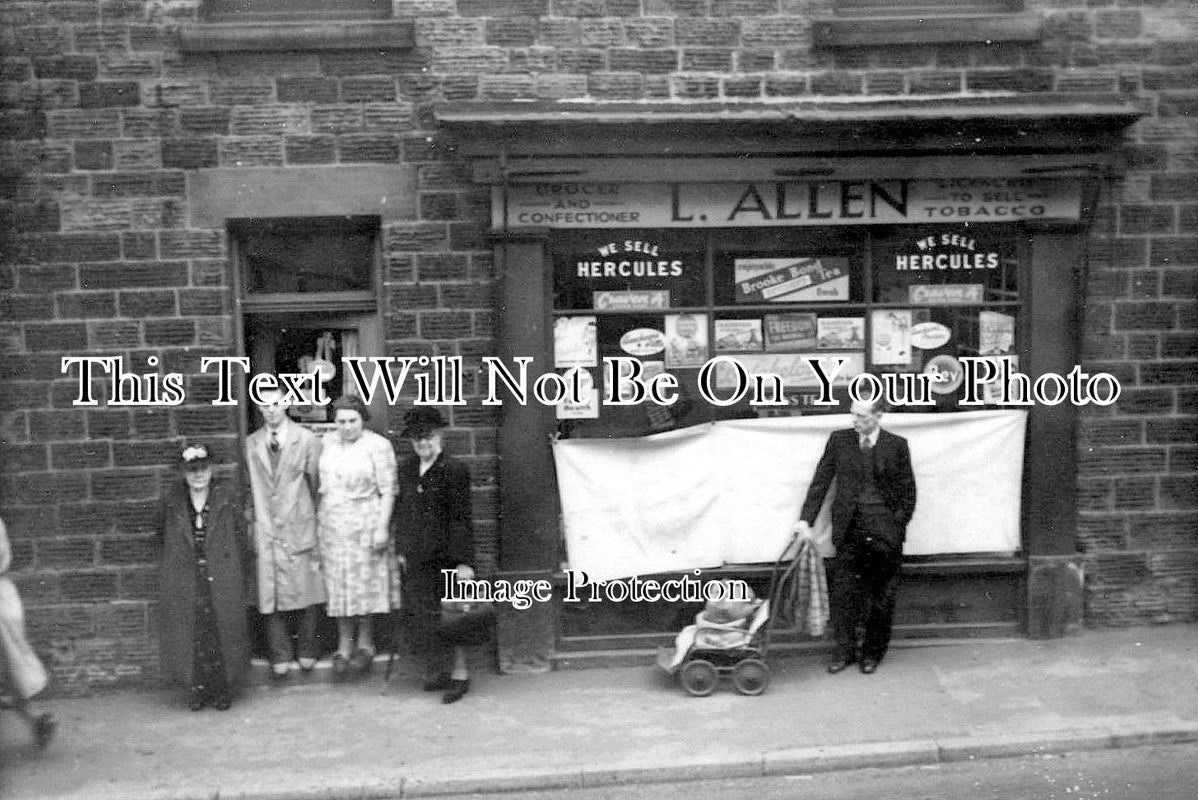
column 723, row 624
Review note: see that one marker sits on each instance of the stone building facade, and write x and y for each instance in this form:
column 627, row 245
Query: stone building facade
column 135, row 130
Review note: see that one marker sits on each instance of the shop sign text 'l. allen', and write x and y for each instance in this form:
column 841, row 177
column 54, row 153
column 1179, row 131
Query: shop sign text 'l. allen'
column 785, row 203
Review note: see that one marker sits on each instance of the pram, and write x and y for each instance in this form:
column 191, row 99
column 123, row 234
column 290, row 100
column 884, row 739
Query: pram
column 739, row 651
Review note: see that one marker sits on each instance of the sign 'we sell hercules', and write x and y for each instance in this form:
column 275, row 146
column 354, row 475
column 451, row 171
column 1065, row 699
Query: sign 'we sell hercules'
column 786, row 203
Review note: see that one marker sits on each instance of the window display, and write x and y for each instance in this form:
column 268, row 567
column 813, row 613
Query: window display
column 910, row 300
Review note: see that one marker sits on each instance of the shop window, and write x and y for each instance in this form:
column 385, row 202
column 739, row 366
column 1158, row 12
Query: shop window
column 308, row 295
column 902, row 299
column 870, row 22
column 942, row 293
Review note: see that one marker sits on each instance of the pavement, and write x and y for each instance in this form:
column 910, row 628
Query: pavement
column 928, row 703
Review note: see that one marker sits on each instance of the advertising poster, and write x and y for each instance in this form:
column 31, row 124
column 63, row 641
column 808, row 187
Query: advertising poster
column 946, row 374
column 686, row 340
column 648, row 299
column 790, row 332
column 788, row 280
column 947, row 294
column 891, row 337
column 575, row 342
column 930, row 335
column 992, row 392
column 641, row 342
column 795, row 372
column 840, row 333
column 589, row 394
column 649, row 370
column 735, row 335
column 996, row 333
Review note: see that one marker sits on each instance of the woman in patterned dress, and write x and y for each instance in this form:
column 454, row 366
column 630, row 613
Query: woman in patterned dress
column 357, row 492
column 202, row 630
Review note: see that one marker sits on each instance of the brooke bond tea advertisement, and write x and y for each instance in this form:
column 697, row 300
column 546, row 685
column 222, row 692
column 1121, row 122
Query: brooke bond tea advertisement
column 787, row 280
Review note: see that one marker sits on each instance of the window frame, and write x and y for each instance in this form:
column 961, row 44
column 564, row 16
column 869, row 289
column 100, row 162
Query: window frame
column 365, row 300
column 358, row 310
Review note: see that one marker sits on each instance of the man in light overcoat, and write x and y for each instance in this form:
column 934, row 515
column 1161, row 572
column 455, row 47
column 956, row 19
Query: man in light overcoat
column 282, row 459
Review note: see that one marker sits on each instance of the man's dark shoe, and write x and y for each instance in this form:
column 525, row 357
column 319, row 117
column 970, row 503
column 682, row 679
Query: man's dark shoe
column 441, row 683
column 869, row 666
column 457, row 691
column 841, row 665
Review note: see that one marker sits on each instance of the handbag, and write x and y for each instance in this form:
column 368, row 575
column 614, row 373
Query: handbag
column 466, row 623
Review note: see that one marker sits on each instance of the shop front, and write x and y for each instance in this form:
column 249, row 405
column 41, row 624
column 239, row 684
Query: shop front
column 715, row 283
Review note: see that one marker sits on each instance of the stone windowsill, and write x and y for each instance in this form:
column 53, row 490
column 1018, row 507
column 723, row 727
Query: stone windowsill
column 954, row 29
column 275, row 36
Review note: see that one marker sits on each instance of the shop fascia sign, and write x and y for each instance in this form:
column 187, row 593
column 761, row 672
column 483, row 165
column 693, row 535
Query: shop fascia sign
column 786, row 203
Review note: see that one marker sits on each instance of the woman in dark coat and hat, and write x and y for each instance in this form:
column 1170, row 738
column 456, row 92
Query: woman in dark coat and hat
column 202, row 633
column 434, row 532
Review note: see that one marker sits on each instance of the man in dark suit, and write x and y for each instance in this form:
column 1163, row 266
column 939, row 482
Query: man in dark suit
column 875, row 498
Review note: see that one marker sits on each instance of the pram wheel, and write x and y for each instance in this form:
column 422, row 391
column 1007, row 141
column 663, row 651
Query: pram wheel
column 699, row 677
column 751, row 676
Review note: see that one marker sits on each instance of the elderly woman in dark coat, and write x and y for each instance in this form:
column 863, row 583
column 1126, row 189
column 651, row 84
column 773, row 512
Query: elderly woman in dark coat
column 433, row 532
column 202, row 633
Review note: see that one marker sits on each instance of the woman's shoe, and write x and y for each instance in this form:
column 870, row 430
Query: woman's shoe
column 44, row 726
column 457, row 690
column 340, row 665
column 307, row 664
column 362, row 661
column 197, row 701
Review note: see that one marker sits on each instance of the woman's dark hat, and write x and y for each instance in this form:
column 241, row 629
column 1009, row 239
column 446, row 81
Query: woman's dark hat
column 421, row 421
column 194, row 456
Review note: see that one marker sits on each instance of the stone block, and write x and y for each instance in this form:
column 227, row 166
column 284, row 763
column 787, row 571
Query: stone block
column 699, row 32
column 251, row 151
column 368, row 89
column 706, row 59
column 305, row 89
column 205, row 120
column 98, row 123
column 310, row 149
column 616, row 85
column 108, row 94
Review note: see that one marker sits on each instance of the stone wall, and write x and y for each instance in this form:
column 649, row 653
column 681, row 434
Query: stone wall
column 103, row 117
